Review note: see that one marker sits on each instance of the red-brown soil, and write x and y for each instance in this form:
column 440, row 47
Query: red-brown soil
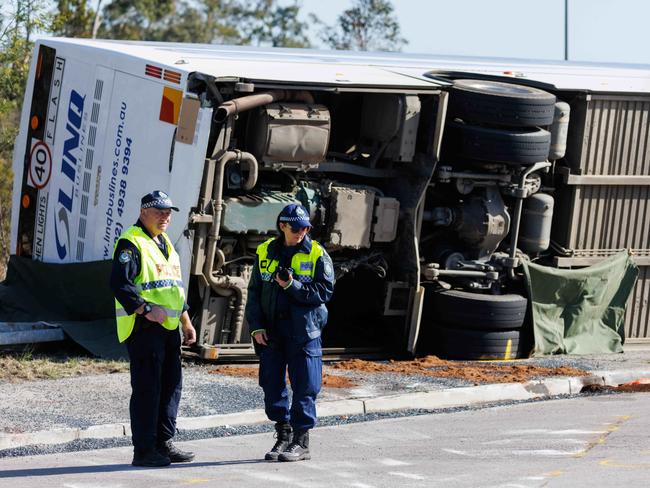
column 477, row 372
column 474, row 371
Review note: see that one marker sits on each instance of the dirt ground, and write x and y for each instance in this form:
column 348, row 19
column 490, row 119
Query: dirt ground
column 472, row 371
column 639, row 386
column 329, row 381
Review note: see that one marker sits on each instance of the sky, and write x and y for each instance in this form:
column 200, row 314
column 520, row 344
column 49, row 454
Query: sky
column 599, row 30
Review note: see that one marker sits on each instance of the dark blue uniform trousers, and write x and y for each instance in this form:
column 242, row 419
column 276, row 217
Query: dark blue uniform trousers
column 305, row 366
column 156, row 382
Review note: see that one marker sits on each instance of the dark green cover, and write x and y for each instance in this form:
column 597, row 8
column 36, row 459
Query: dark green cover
column 580, row 311
column 75, row 296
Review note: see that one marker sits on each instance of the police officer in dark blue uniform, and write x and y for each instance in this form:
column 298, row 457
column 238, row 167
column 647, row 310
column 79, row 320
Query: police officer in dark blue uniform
column 292, row 280
column 150, row 307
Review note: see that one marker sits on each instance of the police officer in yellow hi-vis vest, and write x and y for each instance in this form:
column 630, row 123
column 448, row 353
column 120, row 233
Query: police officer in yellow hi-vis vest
column 149, row 307
column 292, row 280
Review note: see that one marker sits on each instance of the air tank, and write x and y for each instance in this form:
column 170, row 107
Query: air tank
column 559, row 131
column 535, row 232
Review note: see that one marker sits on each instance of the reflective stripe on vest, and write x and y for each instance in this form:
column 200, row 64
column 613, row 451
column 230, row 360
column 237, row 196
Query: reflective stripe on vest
column 159, row 282
column 303, row 265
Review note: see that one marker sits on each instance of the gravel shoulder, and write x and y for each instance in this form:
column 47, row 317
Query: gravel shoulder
column 96, row 399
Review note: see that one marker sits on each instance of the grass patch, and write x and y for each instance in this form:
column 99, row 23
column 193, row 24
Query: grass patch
column 30, row 365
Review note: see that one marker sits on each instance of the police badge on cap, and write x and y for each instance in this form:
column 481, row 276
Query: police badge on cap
column 295, row 215
column 157, row 199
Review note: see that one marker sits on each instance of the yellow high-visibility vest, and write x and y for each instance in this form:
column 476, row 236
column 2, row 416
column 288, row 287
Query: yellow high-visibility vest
column 159, row 282
column 303, row 265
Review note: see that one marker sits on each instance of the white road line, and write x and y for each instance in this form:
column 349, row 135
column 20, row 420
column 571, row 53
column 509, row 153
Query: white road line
column 546, row 452
column 393, row 462
column 411, row 476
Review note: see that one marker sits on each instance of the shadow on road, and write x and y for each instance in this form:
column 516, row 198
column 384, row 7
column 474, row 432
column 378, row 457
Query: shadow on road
column 110, row 468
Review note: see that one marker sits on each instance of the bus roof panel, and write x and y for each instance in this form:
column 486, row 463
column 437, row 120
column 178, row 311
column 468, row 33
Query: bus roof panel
column 370, row 68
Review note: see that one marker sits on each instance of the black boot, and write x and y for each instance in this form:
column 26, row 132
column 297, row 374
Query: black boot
column 283, row 436
column 149, row 458
column 174, row 454
column 298, row 449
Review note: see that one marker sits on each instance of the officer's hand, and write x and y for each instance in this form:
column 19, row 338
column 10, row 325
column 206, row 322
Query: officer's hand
column 260, row 337
column 157, row 314
column 282, row 283
column 189, row 334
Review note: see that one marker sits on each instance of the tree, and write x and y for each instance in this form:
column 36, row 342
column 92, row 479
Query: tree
column 73, row 18
column 17, row 25
column 266, row 23
column 136, row 19
column 260, row 22
column 369, row 25
column 204, row 21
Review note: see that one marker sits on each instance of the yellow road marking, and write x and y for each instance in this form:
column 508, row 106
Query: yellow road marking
column 610, row 463
column 554, row 474
column 508, row 349
column 602, row 438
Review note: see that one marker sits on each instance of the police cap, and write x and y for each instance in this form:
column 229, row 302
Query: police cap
column 157, row 199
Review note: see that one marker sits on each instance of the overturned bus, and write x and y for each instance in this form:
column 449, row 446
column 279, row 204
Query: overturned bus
column 428, row 179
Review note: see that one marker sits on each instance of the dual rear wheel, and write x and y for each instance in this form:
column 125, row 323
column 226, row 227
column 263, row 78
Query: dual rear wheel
column 491, row 121
column 476, row 326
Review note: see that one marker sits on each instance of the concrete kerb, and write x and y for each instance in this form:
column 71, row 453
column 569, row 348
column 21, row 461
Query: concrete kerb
column 427, row 400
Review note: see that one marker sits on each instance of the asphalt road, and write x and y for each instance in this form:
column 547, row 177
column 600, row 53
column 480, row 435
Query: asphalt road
column 597, row 441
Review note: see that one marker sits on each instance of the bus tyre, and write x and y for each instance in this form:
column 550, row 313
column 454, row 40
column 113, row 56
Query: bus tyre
column 479, row 344
column 504, row 104
column 476, row 311
column 510, row 146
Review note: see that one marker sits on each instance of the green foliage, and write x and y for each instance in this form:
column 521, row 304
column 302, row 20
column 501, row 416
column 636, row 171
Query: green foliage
column 17, row 26
column 136, row 19
column 203, row 21
column 260, row 22
column 369, row 25
column 73, row 18
column 265, row 23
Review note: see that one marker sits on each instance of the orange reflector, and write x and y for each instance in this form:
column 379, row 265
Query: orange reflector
column 34, row 122
column 170, row 105
column 26, row 201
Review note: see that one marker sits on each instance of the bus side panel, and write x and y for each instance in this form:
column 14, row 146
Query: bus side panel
column 136, row 158
column 69, row 142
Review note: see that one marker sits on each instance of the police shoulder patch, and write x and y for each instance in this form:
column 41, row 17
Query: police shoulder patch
column 328, row 269
column 125, row 256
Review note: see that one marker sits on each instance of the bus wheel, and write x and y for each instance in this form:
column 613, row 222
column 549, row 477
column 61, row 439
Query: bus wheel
column 505, row 104
column 511, row 146
column 466, row 310
column 479, row 344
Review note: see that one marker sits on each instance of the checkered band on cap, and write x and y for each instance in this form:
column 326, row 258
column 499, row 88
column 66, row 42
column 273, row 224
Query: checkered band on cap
column 157, row 199
column 164, row 202
column 292, row 219
column 295, row 214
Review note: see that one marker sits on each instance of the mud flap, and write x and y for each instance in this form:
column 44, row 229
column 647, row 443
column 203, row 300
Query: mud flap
column 416, row 316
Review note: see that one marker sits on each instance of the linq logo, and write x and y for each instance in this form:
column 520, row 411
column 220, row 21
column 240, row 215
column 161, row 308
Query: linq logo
column 63, row 207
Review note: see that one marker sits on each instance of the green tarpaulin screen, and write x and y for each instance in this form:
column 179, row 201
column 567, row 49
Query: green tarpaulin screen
column 580, row 311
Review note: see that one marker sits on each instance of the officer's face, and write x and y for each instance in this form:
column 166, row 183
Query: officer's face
column 292, row 236
column 155, row 220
